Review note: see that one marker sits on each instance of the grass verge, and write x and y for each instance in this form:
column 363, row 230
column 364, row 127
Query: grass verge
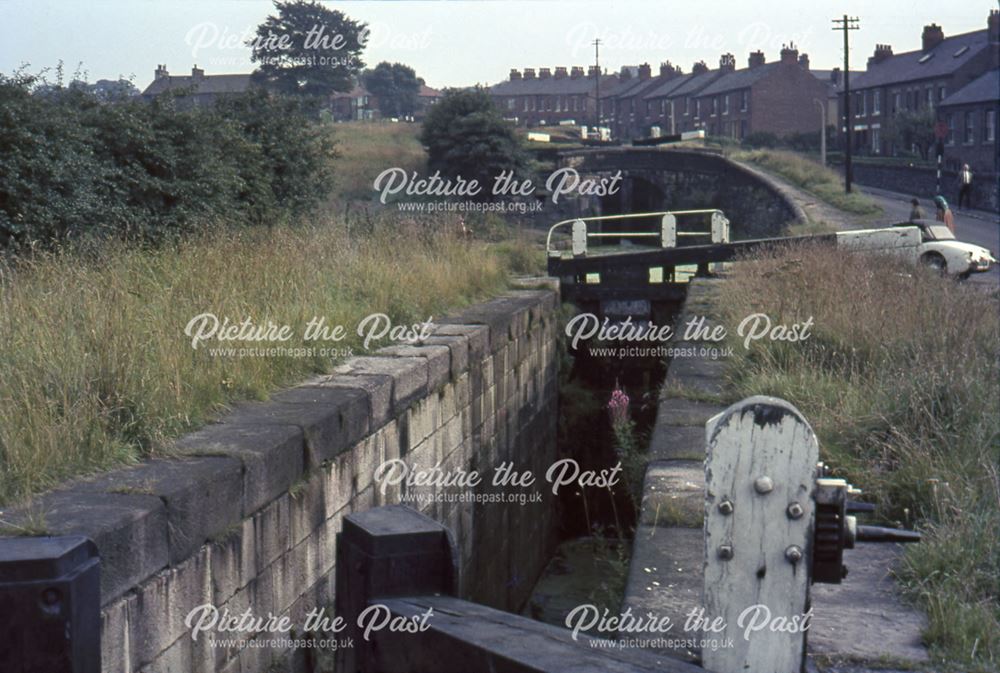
column 900, row 382
column 809, row 175
column 95, row 368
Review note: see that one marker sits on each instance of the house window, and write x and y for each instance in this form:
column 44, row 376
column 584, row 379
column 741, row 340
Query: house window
column 687, row 106
column 876, row 102
column 970, row 127
column 929, row 94
column 715, row 105
column 697, row 109
column 876, row 141
column 510, row 103
column 942, row 92
column 896, row 101
column 989, row 125
column 950, row 120
column 725, row 105
column 744, row 103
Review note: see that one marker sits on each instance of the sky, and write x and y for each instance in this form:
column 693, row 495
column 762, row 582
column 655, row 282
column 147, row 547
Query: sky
column 464, row 42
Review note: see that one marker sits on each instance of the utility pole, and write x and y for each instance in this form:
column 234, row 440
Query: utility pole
column 847, row 24
column 597, row 79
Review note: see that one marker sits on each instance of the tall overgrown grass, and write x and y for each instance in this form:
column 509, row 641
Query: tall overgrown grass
column 95, row 369
column 365, row 149
column 900, row 382
column 809, row 175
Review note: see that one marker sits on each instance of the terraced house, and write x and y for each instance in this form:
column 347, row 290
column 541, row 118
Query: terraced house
column 548, row 97
column 921, row 81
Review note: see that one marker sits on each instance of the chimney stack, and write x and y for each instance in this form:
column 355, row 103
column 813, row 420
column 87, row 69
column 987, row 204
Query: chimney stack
column 789, row 54
column 993, row 25
column 515, row 74
column 727, row 62
column 835, row 77
column 197, row 73
column 576, row 72
column 593, row 71
column 933, row 36
column 699, row 68
column 882, row 52
column 667, row 70
column 645, row 72
column 560, row 72
column 161, row 72
column 804, row 60
column 529, row 73
column 625, row 74
column 756, row 59
column 544, row 73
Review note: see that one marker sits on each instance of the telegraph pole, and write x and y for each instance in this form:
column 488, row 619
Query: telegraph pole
column 847, row 24
column 597, row 79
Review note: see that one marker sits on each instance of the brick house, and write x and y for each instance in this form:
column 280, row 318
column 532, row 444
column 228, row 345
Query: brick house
column 551, row 97
column 630, row 113
column 916, row 80
column 198, row 88
column 358, row 104
column 971, row 114
column 426, row 97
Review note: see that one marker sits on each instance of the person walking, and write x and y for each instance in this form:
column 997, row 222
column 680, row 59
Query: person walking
column 943, row 213
column 964, row 186
column 916, row 212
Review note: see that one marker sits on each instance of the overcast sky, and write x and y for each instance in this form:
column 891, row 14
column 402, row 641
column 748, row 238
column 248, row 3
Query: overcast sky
column 457, row 43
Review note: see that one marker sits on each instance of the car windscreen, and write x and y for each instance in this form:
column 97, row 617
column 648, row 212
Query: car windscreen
column 939, row 232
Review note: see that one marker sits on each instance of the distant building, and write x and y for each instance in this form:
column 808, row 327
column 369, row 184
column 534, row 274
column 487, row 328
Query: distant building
column 971, row 115
column 426, row 97
column 917, row 80
column 199, row 88
column 551, row 97
column 358, row 104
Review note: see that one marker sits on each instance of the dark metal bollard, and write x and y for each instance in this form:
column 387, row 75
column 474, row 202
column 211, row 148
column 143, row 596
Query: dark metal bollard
column 50, row 593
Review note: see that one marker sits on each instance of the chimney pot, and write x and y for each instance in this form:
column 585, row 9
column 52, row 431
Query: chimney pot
column 698, row 68
column 804, row 60
column 592, row 71
column 544, row 73
column 515, row 74
column 576, row 72
column 645, row 71
column 560, row 72
column 756, row 59
column 529, row 73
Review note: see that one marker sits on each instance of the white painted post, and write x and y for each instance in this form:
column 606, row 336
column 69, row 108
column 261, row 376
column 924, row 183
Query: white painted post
column 720, row 234
column 668, row 231
column 579, row 238
column 760, row 472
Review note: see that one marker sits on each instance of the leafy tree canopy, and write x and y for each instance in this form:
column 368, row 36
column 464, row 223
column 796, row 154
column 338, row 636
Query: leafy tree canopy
column 396, row 86
column 466, row 136
column 308, row 49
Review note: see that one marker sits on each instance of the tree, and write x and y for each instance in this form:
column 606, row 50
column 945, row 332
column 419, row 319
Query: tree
column 910, row 128
column 466, row 136
column 396, row 86
column 308, row 49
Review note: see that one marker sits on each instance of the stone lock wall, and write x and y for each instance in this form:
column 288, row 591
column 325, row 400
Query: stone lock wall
column 245, row 514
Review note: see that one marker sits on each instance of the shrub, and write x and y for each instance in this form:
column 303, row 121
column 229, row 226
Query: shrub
column 72, row 165
column 466, row 137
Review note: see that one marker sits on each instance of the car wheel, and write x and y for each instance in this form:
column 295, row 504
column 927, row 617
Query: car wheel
column 935, row 262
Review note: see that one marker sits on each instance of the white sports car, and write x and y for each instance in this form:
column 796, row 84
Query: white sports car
column 939, row 249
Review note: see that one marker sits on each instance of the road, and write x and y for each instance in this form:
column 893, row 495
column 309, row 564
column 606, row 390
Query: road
column 978, row 227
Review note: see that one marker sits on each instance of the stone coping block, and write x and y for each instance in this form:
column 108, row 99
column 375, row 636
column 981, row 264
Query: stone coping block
column 438, row 361
column 410, row 376
column 378, row 387
column 332, row 419
column 130, row 531
column 458, row 352
column 203, row 496
column 673, row 494
column 677, row 441
column 506, row 317
column 273, row 456
column 478, row 337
